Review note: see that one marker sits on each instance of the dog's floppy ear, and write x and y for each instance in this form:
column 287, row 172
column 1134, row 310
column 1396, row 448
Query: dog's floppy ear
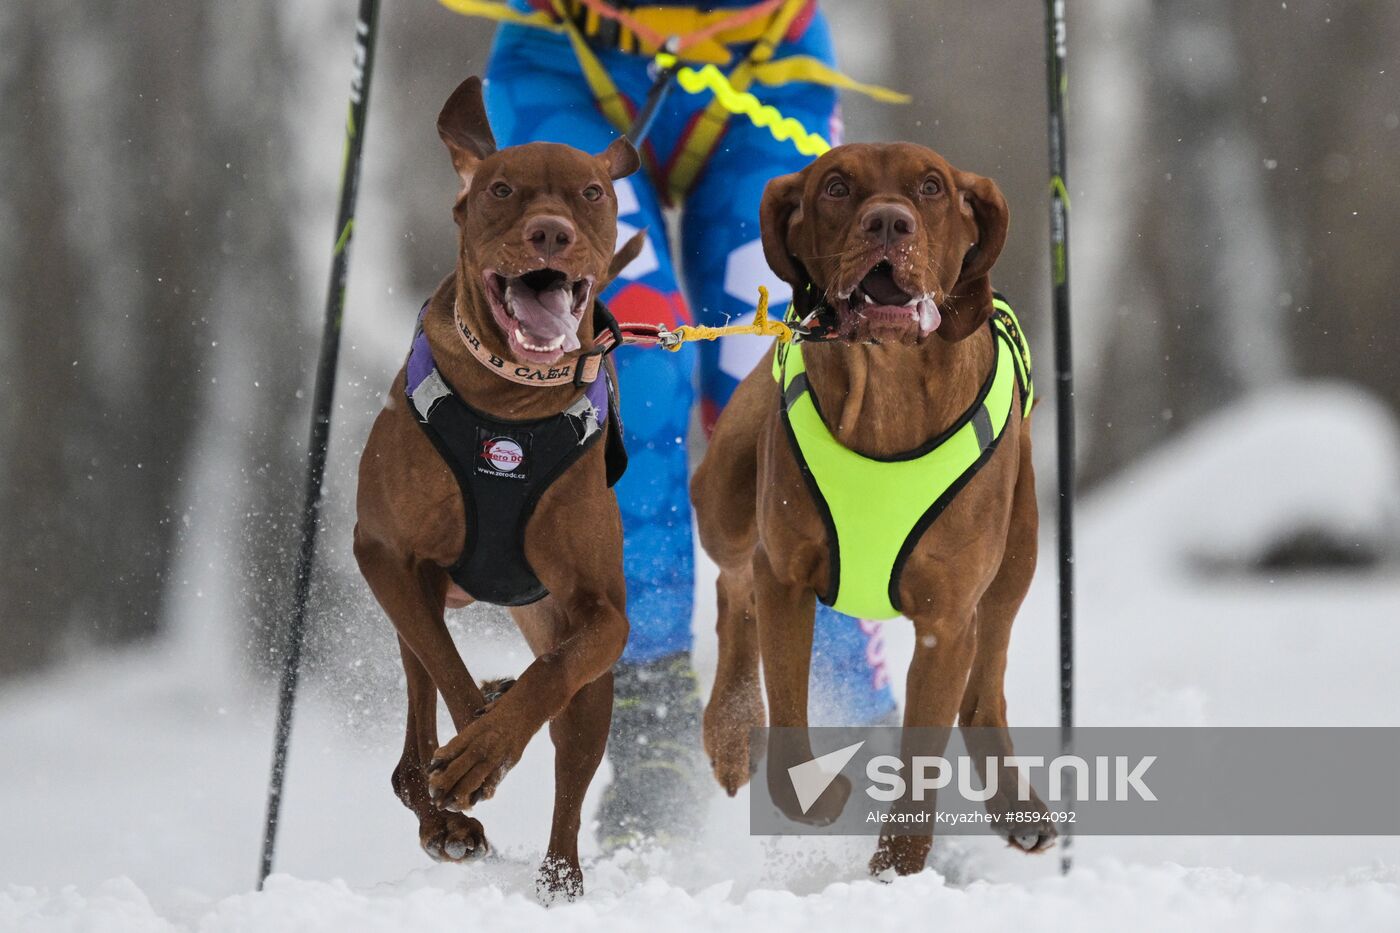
column 463, row 125
column 630, row 251
column 969, row 304
column 779, row 213
column 620, row 159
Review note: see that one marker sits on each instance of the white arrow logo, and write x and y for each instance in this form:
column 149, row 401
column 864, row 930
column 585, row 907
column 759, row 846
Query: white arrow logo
column 811, row 778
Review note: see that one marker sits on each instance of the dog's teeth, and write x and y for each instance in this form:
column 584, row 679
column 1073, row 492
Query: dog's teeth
column 553, row 345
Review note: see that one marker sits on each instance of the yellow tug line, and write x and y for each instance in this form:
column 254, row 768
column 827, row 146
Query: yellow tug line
column 784, row 129
column 762, row 326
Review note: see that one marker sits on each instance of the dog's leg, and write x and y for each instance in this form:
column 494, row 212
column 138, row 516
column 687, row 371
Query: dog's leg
column 785, row 619
column 736, row 702
column 579, row 733
column 983, row 708
column 412, row 595
column 785, row 614
column 943, row 650
column 470, row 766
column 444, row 835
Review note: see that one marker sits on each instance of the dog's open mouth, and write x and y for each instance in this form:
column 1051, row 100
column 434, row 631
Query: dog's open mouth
column 877, row 308
column 539, row 312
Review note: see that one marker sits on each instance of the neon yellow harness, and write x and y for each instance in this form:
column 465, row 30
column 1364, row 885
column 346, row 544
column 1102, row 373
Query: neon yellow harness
column 876, row 510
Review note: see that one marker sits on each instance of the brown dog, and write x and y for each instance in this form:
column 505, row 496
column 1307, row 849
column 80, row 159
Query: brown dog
column 893, row 246
column 537, row 227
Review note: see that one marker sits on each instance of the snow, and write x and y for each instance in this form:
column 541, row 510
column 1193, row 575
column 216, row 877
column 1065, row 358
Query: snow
column 1110, row 896
column 132, row 783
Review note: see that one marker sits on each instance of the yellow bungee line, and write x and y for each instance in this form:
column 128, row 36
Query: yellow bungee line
column 764, row 116
column 762, row 326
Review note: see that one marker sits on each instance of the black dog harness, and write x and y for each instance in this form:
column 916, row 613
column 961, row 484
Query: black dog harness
column 503, row 467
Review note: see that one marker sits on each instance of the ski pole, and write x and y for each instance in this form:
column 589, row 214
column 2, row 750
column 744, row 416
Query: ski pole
column 365, row 32
column 660, row 88
column 1057, row 79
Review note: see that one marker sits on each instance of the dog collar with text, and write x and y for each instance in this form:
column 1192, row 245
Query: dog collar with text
column 582, row 370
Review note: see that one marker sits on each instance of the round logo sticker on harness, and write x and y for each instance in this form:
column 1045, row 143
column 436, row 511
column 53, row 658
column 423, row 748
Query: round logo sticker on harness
column 502, row 456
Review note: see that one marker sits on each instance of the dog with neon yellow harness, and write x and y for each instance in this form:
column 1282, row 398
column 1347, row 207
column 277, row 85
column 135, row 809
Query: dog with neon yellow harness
column 881, row 465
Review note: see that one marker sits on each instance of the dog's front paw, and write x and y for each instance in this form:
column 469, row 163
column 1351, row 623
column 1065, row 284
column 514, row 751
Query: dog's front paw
column 1023, row 824
column 1034, row 840
column 729, row 717
column 1032, row 836
column 469, row 768
column 558, row 879
column 452, row 837
column 899, row 855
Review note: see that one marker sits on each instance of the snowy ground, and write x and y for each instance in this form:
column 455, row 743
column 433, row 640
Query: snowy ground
column 131, row 785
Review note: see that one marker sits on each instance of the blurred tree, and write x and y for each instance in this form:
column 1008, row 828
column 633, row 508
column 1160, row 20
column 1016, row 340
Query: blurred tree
column 148, row 235
column 100, row 289
column 262, row 317
column 1323, row 86
column 1207, row 246
column 39, row 519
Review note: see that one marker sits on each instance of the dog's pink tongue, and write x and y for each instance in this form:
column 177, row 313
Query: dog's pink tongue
column 929, row 317
column 545, row 316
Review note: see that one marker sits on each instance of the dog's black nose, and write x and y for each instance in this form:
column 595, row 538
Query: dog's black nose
column 549, row 234
column 890, row 222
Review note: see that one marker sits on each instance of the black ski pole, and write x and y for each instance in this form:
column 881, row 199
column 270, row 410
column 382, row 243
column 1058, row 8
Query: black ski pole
column 1057, row 79
column 365, row 32
column 656, row 95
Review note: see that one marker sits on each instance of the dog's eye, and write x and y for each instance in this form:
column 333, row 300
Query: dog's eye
column 836, row 188
column 502, row 190
column 593, row 192
column 930, row 187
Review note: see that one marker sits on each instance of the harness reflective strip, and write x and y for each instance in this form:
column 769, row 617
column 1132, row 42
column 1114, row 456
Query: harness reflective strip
column 1005, row 319
column 876, row 510
column 428, row 393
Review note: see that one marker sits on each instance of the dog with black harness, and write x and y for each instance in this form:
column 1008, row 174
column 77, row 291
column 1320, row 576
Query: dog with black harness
column 488, row 477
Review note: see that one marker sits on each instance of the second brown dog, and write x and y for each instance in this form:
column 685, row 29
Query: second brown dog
column 892, row 247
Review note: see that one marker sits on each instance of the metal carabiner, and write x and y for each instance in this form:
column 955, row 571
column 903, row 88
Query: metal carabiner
column 668, row 339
